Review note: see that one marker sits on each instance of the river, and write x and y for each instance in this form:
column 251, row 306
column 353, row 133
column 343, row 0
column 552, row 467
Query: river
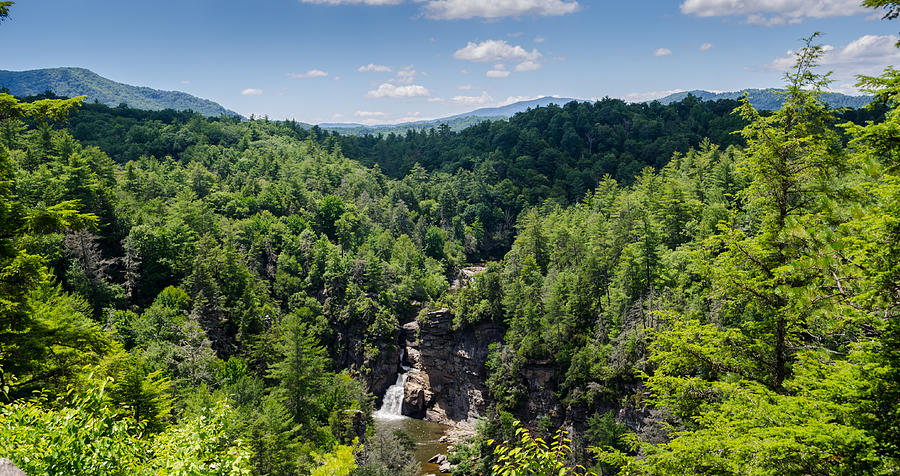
column 426, row 435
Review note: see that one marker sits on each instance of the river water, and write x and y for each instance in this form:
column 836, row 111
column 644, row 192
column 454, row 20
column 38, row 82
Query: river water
column 425, row 433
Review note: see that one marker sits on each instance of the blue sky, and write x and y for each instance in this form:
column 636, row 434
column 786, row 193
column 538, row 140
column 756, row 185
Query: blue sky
column 306, row 59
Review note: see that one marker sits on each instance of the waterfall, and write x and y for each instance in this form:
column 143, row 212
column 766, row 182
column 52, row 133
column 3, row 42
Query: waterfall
column 392, row 403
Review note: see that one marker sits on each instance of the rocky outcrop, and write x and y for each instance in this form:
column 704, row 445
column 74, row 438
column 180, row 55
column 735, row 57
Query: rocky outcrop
column 384, row 371
column 447, row 381
column 8, row 468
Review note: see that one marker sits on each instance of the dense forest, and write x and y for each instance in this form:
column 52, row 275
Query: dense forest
column 714, row 289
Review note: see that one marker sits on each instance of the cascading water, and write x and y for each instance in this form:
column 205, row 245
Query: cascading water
column 392, row 403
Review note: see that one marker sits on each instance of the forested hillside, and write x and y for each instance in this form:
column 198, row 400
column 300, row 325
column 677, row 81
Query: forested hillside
column 769, row 99
column 73, row 82
column 692, row 288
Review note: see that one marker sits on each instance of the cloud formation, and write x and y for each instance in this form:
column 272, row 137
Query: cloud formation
column 353, row 2
column 495, row 50
column 772, row 12
column 527, row 66
column 705, row 47
column 868, row 54
column 388, row 90
column 482, row 100
column 313, row 73
column 498, row 71
column 662, row 52
column 500, row 50
column 649, row 95
column 406, row 75
column 370, row 114
column 374, row 68
column 251, row 92
column 463, row 9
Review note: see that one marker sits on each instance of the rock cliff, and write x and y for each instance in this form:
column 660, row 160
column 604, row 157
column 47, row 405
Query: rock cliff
column 447, row 381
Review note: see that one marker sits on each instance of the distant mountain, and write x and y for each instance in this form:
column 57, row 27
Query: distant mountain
column 456, row 122
column 339, row 125
column 512, row 109
column 768, row 99
column 72, row 82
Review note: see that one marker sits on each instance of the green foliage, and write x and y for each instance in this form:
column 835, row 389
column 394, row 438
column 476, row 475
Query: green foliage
column 791, row 379
column 4, row 9
column 533, row 456
column 339, row 462
column 206, row 444
column 300, row 370
column 387, row 454
column 85, row 436
column 736, row 303
column 79, row 81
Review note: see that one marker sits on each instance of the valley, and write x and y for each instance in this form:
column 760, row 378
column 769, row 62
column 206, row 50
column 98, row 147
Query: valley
column 696, row 283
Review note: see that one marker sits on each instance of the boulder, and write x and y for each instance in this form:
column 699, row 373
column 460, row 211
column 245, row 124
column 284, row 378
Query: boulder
column 8, row 468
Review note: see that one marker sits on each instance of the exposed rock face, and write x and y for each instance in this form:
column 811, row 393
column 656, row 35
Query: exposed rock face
column 446, row 384
column 384, row 371
column 8, row 468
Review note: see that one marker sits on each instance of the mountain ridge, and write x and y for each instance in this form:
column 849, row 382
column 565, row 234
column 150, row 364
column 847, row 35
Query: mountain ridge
column 74, row 81
column 761, row 98
column 765, row 98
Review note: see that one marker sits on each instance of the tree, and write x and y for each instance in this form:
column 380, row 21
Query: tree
column 26, row 336
column 794, row 157
column 300, row 371
column 4, row 9
column 892, row 8
column 533, row 456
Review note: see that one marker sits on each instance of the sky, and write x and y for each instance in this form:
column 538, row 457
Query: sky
column 389, row 61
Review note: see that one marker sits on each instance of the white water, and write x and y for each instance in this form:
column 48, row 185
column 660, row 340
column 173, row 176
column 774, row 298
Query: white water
column 392, row 403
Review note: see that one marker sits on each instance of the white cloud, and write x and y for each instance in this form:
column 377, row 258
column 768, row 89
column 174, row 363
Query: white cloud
column 374, row 68
column 410, row 117
column 528, row 66
column 500, row 50
column 313, row 73
column 662, row 52
column 649, row 95
column 353, row 2
column 406, row 75
column 388, row 90
column 466, row 87
column 462, row 9
column 868, row 54
column 185, row 81
column 705, row 47
column 514, row 99
column 482, row 100
column 251, row 92
column 495, row 50
column 514, row 35
column 499, row 71
column 435, row 99
column 540, row 39
column 370, row 114
column 772, row 12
